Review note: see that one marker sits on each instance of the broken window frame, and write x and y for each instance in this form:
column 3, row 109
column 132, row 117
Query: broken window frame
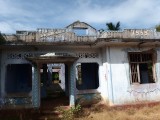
column 134, row 65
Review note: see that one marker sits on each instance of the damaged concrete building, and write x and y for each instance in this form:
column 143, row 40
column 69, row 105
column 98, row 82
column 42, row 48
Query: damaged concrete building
column 117, row 67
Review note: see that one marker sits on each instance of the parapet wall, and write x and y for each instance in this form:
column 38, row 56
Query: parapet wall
column 66, row 35
column 132, row 33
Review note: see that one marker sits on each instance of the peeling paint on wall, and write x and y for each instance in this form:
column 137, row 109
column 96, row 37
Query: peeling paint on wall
column 87, row 99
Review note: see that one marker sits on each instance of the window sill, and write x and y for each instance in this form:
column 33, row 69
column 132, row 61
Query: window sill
column 144, row 84
column 18, row 95
column 87, row 91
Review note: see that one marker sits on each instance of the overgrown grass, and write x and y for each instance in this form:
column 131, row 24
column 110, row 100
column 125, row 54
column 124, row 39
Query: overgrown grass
column 93, row 112
column 121, row 113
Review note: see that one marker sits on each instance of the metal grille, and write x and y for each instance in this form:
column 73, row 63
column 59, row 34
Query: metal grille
column 134, row 73
column 140, row 57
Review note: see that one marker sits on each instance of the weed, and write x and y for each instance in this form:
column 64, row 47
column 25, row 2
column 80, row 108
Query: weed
column 69, row 114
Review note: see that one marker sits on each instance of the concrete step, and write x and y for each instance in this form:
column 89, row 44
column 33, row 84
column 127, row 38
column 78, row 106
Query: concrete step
column 50, row 112
column 50, row 117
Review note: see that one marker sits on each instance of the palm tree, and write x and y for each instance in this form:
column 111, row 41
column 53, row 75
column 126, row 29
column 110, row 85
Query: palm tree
column 111, row 26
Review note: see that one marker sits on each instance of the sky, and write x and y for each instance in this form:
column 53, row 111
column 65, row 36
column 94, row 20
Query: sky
column 33, row 14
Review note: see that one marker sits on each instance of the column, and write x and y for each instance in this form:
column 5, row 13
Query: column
column 35, row 86
column 72, row 85
column 0, row 73
column 67, row 79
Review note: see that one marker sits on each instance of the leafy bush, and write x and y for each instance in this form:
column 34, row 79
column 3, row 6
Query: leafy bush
column 69, row 114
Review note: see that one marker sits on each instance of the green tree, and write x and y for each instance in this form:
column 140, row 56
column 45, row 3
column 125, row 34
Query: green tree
column 2, row 39
column 158, row 28
column 111, row 26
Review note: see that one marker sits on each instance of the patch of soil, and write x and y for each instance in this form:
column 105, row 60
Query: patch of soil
column 47, row 111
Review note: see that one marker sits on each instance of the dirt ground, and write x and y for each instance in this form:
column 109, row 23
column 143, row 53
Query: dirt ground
column 98, row 111
column 132, row 112
column 47, row 111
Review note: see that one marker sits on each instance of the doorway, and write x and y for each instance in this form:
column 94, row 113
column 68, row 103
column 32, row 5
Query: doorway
column 54, row 84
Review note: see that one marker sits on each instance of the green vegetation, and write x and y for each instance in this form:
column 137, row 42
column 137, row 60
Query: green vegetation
column 158, row 28
column 55, row 76
column 2, row 39
column 71, row 113
column 111, row 26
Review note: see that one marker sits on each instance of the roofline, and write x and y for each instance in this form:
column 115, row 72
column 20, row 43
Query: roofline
column 81, row 22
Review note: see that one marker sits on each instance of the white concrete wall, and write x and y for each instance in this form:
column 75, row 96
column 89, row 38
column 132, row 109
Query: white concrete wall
column 97, row 60
column 121, row 91
column 104, row 76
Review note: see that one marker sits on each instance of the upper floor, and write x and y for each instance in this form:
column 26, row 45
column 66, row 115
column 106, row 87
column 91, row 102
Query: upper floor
column 79, row 32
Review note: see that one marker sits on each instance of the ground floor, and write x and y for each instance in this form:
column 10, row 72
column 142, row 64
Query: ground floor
column 116, row 75
column 29, row 77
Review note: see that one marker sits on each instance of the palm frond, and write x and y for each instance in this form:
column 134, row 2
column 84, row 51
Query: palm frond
column 111, row 26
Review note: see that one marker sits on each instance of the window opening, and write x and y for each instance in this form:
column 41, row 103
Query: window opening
column 87, row 76
column 56, row 75
column 80, row 32
column 18, row 78
column 142, row 67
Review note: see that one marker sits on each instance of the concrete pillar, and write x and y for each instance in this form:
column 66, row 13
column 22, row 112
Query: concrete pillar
column 35, row 86
column 0, row 72
column 66, row 79
column 72, row 85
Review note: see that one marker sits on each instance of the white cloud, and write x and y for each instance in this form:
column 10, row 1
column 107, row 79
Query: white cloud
column 132, row 13
column 6, row 27
column 22, row 14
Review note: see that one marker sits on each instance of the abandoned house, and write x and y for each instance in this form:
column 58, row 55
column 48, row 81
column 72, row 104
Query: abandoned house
column 117, row 67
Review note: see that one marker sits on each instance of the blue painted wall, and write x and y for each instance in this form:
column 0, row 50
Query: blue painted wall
column 90, row 79
column 18, row 78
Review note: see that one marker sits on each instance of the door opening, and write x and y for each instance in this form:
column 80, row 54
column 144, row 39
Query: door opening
column 54, row 83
